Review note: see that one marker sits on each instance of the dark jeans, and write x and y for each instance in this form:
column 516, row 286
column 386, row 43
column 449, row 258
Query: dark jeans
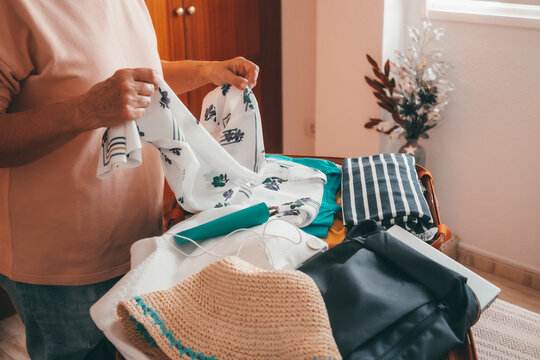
column 57, row 319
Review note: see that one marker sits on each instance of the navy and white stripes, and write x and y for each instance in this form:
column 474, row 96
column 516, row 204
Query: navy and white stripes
column 384, row 187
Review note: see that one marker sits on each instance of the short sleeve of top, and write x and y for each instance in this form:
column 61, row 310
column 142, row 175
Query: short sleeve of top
column 15, row 60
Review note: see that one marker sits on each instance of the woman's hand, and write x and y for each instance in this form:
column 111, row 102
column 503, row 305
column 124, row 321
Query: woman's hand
column 29, row 135
column 239, row 72
column 118, row 99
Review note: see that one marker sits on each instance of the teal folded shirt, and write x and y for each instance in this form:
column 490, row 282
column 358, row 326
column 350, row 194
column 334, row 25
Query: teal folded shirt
column 245, row 218
column 319, row 227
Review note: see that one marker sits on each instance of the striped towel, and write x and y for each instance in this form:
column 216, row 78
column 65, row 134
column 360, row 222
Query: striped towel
column 385, row 188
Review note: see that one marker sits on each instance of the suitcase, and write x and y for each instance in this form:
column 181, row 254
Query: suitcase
column 174, row 214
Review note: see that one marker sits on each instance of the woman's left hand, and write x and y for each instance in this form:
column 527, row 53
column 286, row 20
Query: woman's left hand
column 239, row 72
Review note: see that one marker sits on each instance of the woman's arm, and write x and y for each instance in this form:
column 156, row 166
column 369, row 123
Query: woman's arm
column 187, row 75
column 29, row 135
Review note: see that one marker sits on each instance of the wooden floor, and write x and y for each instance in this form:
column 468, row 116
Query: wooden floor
column 514, row 293
column 12, row 338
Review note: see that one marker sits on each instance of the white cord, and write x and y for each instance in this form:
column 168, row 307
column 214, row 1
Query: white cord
column 262, row 237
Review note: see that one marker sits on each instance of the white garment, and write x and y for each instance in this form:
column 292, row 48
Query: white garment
column 294, row 190
column 197, row 168
column 157, row 264
column 232, row 117
column 221, row 166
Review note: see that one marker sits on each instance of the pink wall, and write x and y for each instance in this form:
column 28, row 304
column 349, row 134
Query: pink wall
column 324, row 47
column 346, row 31
column 298, row 19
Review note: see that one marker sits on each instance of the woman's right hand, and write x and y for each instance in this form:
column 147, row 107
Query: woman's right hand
column 121, row 98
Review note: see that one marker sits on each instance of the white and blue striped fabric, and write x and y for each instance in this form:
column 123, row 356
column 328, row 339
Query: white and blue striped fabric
column 385, row 188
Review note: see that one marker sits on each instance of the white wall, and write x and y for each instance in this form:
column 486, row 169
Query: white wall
column 485, row 153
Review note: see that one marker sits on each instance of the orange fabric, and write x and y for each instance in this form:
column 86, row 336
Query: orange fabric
column 336, row 233
column 50, row 51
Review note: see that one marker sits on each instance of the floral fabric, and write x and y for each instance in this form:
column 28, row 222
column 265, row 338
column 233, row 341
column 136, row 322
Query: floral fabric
column 199, row 171
column 217, row 161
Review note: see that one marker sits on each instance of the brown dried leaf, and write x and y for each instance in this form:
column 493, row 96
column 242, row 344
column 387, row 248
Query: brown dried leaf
column 372, row 62
column 387, row 68
column 387, row 82
column 387, row 132
column 372, row 122
column 385, row 106
column 375, row 84
column 384, row 98
column 378, row 73
column 397, row 118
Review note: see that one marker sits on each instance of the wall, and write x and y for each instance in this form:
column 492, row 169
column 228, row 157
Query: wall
column 346, row 31
column 298, row 23
column 325, row 98
column 484, row 155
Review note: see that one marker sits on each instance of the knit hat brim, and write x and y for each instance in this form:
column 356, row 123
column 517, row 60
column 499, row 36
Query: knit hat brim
column 233, row 310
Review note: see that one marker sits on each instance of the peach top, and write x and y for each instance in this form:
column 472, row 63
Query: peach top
column 59, row 224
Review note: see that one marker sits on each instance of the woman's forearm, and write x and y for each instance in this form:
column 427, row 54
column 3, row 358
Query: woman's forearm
column 186, row 75
column 29, row 135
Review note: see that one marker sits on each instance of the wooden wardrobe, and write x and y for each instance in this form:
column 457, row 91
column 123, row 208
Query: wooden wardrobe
column 220, row 30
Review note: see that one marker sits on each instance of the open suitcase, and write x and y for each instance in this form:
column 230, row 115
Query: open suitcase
column 174, row 214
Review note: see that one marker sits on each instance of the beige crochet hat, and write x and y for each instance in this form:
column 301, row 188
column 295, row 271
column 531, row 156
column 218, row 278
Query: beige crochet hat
column 233, row 310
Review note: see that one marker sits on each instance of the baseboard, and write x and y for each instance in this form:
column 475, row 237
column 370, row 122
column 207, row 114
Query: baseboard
column 507, row 270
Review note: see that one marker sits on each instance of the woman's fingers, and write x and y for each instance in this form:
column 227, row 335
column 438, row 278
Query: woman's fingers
column 144, row 75
column 141, row 101
column 144, row 89
column 253, row 75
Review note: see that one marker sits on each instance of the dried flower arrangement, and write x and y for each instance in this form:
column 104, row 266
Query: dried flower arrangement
column 416, row 99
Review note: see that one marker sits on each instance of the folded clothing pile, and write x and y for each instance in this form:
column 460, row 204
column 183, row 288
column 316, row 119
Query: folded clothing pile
column 160, row 263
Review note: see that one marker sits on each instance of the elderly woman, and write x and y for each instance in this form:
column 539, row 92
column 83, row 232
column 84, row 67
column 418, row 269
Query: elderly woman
column 68, row 69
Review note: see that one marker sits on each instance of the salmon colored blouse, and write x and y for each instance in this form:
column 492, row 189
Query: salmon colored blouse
column 59, row 224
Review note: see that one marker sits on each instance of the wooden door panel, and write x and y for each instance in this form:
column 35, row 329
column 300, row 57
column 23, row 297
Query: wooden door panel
column 270, row 102
column 177, row 30
column 222, row 29
column 159, row 12
column 169, row 28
